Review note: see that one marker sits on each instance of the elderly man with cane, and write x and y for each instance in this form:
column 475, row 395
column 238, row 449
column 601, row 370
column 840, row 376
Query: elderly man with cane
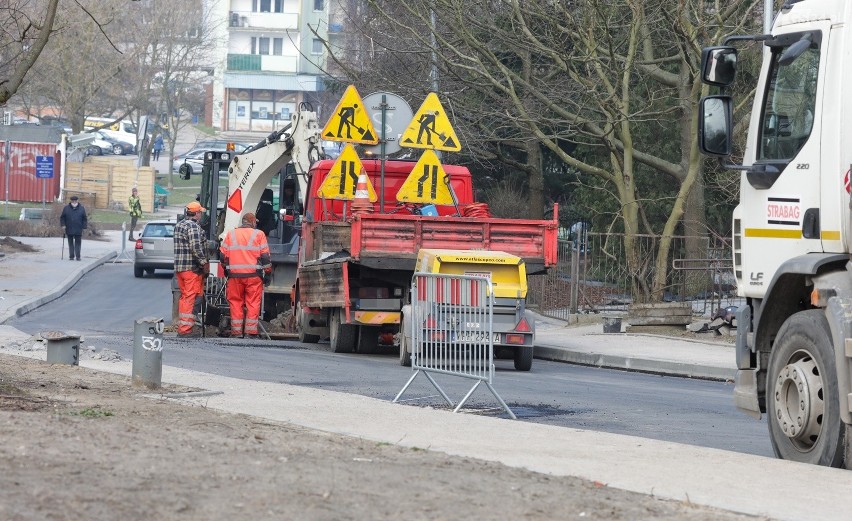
column 246, row 259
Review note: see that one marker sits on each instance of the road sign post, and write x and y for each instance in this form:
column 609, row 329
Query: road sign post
column 44, row 171
column 393, row 113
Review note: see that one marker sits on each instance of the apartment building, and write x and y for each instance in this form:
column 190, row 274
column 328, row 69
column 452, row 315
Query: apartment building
column 270, row 58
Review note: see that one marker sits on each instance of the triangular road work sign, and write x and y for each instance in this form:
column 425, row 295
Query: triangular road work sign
column 341, row 180
column 350, row 121
column 427, row 183
column 430, row 128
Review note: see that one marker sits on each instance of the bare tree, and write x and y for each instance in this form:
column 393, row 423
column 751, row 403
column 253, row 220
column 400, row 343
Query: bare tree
column 616, row 80
column 24, row 34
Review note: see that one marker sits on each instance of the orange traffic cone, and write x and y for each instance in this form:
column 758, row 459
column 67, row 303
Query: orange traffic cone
column 361, row 203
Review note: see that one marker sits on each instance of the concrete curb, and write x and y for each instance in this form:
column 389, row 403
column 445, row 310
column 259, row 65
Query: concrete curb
column 67, row 284
column 562, row 354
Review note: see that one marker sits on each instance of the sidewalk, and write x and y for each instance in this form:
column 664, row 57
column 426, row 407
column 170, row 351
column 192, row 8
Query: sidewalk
column 721, row 479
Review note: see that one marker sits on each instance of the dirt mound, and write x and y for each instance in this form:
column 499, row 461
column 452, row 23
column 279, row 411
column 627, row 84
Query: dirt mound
column 10, row 245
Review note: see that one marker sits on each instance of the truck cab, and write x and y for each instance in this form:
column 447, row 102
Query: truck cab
column 791, row 230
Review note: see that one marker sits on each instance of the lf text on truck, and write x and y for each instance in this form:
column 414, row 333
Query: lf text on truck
column 791, row 229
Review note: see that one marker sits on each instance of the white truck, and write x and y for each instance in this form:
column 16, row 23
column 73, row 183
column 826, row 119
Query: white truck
column 791, row 230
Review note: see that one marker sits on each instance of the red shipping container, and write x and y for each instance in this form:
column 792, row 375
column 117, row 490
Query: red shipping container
column 23, row 185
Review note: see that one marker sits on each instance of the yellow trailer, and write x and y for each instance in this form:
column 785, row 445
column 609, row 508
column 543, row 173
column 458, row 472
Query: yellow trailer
column 513, row 330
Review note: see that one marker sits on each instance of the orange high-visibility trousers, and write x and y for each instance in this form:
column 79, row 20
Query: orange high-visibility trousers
column 191, row 287
column 246, row 292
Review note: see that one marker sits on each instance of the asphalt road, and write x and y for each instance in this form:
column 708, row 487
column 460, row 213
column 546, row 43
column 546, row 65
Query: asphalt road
column 105, row 303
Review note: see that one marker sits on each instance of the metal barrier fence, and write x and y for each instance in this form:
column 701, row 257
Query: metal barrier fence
column 592, row 275
column 452, row 332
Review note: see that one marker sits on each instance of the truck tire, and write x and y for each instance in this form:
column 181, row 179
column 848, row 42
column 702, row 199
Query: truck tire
column 404, row 348
column 301, row 324
column 342, row 336
column 802, row 395
column 523, row 358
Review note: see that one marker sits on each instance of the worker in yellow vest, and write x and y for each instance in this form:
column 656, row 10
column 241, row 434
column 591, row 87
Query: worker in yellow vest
column 246, row 259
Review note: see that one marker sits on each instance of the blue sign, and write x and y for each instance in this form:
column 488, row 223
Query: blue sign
column 44, row 167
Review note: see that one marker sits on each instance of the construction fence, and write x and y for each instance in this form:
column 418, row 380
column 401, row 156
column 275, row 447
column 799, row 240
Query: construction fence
column 592, row 275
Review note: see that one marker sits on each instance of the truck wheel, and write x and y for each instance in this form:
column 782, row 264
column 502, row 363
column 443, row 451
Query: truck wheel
column 523, row 358
column 301, row 324
column 801, row 393
column 368, row 340
column 342, row 336
column 404, row 348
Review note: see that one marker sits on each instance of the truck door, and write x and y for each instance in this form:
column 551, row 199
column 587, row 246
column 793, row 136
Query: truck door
column 780, row 214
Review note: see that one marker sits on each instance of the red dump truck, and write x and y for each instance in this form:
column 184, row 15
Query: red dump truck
column 354, row 271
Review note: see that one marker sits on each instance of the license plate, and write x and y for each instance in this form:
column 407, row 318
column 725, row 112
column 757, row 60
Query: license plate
column 474, row 336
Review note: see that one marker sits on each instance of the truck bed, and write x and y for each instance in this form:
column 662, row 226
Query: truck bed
column 391, row 241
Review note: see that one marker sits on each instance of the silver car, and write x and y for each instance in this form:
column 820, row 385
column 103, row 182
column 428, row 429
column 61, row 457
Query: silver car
column 155, row 248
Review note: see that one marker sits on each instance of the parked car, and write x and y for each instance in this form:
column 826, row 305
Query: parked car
column 193, row 160
column 99, row 146
column 119, row 147
column 155, row 248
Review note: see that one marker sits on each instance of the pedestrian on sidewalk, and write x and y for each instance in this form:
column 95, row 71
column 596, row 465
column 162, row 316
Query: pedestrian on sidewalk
column 191, row 266
column 73, row 221
column 135, row 211
column 158, row 146
column 246, row 259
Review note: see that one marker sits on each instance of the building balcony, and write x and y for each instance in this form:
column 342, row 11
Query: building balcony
column 262, row 63
column 251, row 21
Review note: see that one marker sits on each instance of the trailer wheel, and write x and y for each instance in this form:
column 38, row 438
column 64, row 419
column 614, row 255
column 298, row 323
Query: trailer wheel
column 802, row 395
column 301, row 323
column 342, row 336
column 523, row 358
column 138, row 272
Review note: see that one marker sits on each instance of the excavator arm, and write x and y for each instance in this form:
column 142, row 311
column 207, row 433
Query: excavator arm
column 251, row 172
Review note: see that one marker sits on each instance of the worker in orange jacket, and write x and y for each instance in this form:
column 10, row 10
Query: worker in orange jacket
column 246, row 259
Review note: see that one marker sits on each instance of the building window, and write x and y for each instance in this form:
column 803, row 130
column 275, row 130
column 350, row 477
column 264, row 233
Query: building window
column 263, row 46
column 253, row 45
column 265, row 6
column 279, row 6
column 319, row 5
column 278, row 46
column 316, row 48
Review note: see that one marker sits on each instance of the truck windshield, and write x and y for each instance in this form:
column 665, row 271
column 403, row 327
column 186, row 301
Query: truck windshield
column 788, row 111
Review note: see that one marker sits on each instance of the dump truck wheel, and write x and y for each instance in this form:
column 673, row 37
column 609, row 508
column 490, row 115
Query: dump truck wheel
column 523, row 358
column 301, row 323
column 801, row 393
column 342, row 336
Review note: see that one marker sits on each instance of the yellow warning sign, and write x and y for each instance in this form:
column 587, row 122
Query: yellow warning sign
column 430, row 128
column 350, row 121
column 342, row 179
column 427, row 183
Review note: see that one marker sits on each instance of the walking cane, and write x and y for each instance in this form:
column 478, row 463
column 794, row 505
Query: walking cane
column 62, row 251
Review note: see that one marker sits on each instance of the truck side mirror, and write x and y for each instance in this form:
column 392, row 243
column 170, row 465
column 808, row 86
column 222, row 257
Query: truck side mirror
column 718, row 66
column 714, row 126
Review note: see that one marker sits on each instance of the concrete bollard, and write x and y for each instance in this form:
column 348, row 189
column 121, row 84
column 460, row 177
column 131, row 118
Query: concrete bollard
column 611, row 324
column 148, row 352
column 62, row 348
